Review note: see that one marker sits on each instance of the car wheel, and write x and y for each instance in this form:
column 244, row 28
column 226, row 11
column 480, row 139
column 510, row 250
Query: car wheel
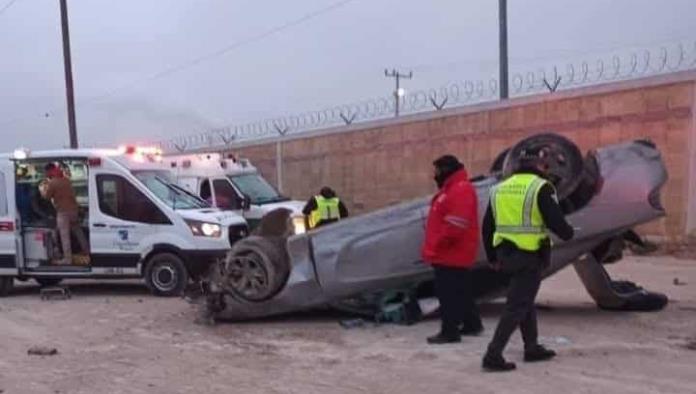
column 47, row 282
column 565, row 165
column 256, row 268
column 6, row 285
column 166, row 275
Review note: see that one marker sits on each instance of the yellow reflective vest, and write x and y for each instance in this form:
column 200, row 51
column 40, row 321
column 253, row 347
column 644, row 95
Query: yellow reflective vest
column 327, row 209
column 516, row 212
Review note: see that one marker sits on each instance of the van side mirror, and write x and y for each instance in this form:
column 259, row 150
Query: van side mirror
column 246, row 202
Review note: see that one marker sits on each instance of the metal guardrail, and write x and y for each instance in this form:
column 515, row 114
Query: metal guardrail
column 636, row 64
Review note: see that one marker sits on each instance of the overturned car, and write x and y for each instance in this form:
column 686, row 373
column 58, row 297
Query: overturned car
column 604, row 194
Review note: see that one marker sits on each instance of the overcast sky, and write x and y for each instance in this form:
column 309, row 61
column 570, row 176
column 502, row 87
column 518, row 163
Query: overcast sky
column 334, row 58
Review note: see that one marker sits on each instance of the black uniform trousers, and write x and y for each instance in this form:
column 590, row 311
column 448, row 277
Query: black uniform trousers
column 524, row 269
column 453, row 288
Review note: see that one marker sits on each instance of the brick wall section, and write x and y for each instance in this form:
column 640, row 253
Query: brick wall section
column 382, row 163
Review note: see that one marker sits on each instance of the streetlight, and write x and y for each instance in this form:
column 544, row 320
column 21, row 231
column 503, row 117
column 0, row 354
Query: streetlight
column 399, row 92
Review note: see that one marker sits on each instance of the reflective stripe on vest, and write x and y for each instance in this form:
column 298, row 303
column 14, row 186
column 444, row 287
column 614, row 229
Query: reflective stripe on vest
column 327, row 209
column 516, row 212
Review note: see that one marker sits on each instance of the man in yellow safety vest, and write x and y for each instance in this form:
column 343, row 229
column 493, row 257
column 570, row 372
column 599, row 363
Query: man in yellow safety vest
column 515, row 228
column 324, row 208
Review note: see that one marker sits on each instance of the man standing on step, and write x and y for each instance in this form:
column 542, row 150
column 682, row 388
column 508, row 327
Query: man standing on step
column 59, row 190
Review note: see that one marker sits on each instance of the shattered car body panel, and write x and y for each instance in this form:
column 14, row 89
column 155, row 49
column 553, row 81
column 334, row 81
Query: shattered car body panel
column 381, row 250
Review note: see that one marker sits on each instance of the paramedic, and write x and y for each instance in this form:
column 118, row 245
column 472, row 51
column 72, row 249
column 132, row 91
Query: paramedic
column 59, row 190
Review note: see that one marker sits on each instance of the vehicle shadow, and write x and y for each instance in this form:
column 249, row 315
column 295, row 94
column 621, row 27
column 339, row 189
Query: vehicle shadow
column 87, row 288
column 491, row 310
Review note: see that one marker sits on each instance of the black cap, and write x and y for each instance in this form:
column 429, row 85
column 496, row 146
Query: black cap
column 327, row 192
column 448, row 162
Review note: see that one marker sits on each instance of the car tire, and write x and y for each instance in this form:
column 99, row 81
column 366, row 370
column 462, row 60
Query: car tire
column 6, row 285
column 166, row 275
column 499, row 161
column 566, row 164
column 256, row 268
column 47, row 282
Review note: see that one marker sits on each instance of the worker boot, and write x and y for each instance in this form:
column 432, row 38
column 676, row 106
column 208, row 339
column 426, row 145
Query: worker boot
column 538, row 353
column 493, row 363
column 441, row 339
column 468, row 330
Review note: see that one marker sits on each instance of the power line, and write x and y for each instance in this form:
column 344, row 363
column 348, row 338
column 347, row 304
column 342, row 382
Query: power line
column 6, row 6
column 553, row 55
column 191, row 63
column 229, row 48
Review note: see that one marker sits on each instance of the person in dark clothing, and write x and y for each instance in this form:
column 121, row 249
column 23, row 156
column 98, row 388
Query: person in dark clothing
column 521, row 210
column 451, row 244
column 324, row 208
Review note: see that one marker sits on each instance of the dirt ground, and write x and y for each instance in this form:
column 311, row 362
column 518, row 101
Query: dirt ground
column 115, row 338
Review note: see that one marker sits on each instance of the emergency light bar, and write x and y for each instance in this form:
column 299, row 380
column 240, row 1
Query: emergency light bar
column 140, row 150
column 140, row 153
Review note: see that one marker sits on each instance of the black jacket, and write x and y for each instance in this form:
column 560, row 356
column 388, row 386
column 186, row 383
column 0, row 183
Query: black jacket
column 551, row 212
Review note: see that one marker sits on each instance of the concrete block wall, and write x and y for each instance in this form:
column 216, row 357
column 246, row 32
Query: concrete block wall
column 375, row 164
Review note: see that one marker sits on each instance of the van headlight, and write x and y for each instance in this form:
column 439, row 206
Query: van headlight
column 204, row 229
column 298, row 225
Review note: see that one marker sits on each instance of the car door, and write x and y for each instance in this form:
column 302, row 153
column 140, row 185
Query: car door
column 8, row 222
column 123, row 217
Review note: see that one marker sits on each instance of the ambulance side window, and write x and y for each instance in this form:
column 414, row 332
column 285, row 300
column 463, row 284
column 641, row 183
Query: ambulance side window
column 226, row 195
column 205, row 190
column 120, row 199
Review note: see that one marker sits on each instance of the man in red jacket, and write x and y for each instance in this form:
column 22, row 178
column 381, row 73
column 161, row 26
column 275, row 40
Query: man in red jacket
column 451, row 243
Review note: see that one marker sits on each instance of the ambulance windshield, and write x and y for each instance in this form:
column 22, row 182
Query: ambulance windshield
column 170, row 194
column 257, row 188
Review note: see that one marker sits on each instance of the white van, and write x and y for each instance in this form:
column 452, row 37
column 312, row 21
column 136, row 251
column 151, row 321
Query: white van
column 136, row 227
column 232, row 184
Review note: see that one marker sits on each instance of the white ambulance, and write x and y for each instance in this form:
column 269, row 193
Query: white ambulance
column 232, row 184
column 137, row 226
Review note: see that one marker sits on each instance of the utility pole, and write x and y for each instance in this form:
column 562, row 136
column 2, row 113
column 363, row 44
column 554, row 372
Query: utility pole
column 398, row 92
column 68, row 74
column 502, row 18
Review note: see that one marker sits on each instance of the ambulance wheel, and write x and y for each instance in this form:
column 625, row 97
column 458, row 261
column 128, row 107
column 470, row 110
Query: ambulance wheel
column 6, row 285
column 47, row 282
column 256, row 268
column 166, row 275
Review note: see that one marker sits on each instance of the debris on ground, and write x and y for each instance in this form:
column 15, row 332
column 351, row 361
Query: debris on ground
column 42, row 351
column 204, row 317
column 352, row 323
column 559, row 340
column 678, row 282
column 690, row 345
